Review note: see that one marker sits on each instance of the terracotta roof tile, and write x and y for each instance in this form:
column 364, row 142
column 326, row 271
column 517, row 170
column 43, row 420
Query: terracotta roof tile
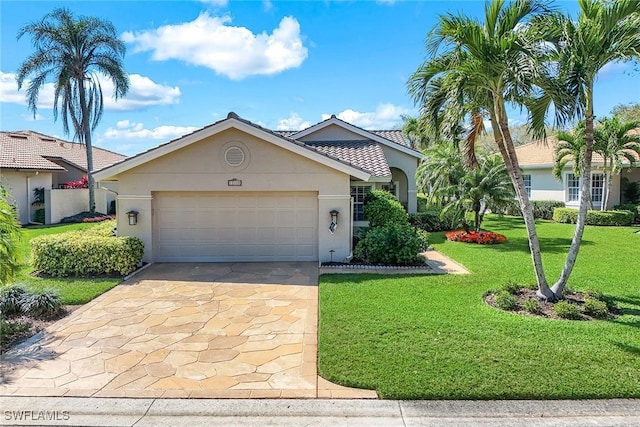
column 33, row 150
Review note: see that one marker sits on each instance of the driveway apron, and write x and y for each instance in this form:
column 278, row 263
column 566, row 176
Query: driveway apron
column 223, row 330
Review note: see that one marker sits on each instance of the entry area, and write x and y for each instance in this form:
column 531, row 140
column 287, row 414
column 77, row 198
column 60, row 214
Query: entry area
column 236, row 226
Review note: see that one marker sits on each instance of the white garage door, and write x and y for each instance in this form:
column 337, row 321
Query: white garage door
column 209, row 227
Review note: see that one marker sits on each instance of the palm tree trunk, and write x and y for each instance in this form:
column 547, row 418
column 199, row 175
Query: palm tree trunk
column 503, row 138
column 607, row 179
column 585, row 199
column 86, row 136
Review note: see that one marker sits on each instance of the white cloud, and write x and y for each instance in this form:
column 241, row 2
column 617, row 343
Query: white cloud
column 143, row 93
column 127, row 130
column 32, row 118
column 235, row 52
column 613, row 67
column 386, row 116
column 218, row 3
column 267, row 5
column 293, row 122
column 386, row 2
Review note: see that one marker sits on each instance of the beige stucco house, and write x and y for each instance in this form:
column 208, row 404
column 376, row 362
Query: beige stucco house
column 234, row 191
column 30, row 160
column 537, row 160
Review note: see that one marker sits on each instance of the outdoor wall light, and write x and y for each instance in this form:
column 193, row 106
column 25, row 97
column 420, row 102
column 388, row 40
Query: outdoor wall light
column 133, row 217
column 334, row 220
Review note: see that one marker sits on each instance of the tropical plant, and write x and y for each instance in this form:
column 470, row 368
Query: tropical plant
column 617, row 145
column 604, row 32
column 441, row 167
column 474, row 69
column 10, row 237
column 627, row 113
column 569, row 149
column 77, row 53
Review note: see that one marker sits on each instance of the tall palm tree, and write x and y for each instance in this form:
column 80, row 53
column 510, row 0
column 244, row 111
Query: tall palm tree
column 75, row 53
column 475, row 68
column 617, row 145
column 569, row 149
column 10, row 237
column 441, row 167
column 605, row 32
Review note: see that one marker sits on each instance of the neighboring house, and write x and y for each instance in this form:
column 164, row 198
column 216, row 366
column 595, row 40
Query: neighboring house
column 234, row 191
column 537, row 160
column 30, row 160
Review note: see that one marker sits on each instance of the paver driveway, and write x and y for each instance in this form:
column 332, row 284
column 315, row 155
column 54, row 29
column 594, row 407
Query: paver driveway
column 232, row 330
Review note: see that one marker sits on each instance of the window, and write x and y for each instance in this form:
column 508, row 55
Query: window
column 573, row 188
column 597, row 187
column 391, row 187
column 527, row 184
column 358, row 192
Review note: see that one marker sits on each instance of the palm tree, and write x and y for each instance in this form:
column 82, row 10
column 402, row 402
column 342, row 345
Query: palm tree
column 9, row 240
column 474, row 69
column 76, row 53
column 617, row 145
column 569, row 149
column 605, row 32
column 440, row 168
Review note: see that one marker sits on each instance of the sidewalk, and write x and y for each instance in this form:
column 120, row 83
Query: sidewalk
column 231, row 412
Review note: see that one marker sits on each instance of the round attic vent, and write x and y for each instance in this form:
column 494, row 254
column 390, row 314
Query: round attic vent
column 234, row 156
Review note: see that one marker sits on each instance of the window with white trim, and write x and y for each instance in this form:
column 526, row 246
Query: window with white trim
column 573, row 188
column 597, row 187
column 527, row 184
column 358, row 193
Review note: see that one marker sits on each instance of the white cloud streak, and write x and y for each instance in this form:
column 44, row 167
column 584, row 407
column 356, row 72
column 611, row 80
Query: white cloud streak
column 235, row 52
column 386, row 116
column 293, row 122
column 127, row 130
column 143, row 93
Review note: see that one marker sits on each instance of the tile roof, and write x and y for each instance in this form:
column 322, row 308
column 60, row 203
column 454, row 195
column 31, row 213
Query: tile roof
column 33, row 150
column 366, row 154
column 395, row 135
column 541, row 152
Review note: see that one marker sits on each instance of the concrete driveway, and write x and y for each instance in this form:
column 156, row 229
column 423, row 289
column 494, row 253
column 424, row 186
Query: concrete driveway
column 226, row 330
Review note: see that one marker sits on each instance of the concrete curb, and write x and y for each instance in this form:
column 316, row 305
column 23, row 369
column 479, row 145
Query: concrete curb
column 230, row 412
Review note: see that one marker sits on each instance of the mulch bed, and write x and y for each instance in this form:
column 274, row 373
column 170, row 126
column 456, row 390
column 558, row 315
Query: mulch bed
column 33, row 326
column 546, row 307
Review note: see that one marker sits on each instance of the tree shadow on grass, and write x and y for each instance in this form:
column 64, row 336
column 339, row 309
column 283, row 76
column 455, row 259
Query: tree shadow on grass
column 628, row 348
column 553, row 245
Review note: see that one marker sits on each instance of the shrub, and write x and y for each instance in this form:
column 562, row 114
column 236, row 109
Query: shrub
column 594, row 294
column 392, row 244
column 532, row 306
column 104, row 229
column 506, row 301
column 595, row 308
column 617, row 218
column 431, row 220
column 512, row 287
column 78, row 253
column 38, row 216
column 566, row 310
column 481, row 237
column 42, row 303
column 629, row 207
column 382, row 208
column 542, row 209
column 11, row 299
column 112, row 208
column 86, row 216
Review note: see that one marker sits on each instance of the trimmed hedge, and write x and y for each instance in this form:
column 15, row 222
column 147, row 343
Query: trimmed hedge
column 630, row 207
column 432, row 220
column 542, row 209
column 392, row 244
column 86, row 253
column 617, row 218
column 382, row 208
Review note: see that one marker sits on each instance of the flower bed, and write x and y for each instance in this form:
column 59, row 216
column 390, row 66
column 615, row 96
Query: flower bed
column 481, row 237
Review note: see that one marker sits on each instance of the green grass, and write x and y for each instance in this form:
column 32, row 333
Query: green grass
column 433, row 337
column 73, row 291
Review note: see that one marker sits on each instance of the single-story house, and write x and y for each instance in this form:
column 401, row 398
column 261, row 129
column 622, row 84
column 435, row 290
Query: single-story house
column 537, row 160
column 235, row 191
column 30, row 160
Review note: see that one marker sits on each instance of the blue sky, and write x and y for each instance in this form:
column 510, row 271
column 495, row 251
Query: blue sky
column 284, row 65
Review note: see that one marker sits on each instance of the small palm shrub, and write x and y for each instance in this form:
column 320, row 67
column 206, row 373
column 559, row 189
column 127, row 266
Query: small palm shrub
column 566, row 310
column 532, row 306
column 594, row 294
column 512, row 287
column 595, row 308
column 11, row 298
column 44, row 303
column 506, row 301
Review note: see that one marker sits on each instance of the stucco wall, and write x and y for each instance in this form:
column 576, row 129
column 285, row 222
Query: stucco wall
column 20, row 186
column 332, row 133
column 60, row 203
column 408, row 164
column 201, row 167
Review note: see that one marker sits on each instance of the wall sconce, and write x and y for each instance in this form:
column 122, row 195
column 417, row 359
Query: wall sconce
column 133, row 217
column 334, row 220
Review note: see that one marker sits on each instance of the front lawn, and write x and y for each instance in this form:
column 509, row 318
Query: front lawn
column 433, row 337
column 73, row 291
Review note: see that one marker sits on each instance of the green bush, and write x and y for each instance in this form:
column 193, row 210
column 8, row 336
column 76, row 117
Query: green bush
column 512, row 287
column 630, row 207
column 11, row 299
column 81, row 253
column 393, row 244
column 38, row 216
column 566, row 310
column 432, row 220
column 617, row 218
column 506, row 301
column 102, row 229
column 595, row 308
column 532, row 306
column 594, row 293
column 382, row 208
column 542, row 209
column 46, row 302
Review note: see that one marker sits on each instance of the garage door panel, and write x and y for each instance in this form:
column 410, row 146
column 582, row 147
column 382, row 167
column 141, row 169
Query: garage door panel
column 236, row 227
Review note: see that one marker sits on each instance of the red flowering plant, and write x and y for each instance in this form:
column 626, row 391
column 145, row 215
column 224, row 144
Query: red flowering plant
column 81, row 183
column 479, row 237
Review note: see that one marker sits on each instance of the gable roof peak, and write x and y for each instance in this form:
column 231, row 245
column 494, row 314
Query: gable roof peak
column 233, row 115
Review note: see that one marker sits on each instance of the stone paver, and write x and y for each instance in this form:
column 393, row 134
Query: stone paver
column 184, row 330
